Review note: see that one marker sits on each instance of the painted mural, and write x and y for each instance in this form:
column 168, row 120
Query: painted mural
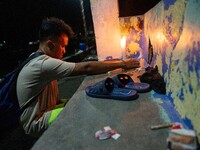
column 173, row 26
column 132, row 28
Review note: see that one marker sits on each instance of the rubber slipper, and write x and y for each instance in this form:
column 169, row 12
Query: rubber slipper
column 107, row 89
column 125, row 81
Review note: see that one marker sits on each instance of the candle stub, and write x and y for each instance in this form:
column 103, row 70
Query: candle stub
column 142, row 62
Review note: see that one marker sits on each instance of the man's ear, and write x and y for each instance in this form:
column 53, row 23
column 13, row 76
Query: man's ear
column 50, row 44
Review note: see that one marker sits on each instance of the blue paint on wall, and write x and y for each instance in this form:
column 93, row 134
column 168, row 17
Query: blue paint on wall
column 135, row 55
column 170, row 63
column 168, row 107
column 192, row 58
column 196, row 53
column 176, row 62
column 190, row 88
column 167, row 3
column 165, row 66
column 181, row 95
column 188, row 123
column 169, row 96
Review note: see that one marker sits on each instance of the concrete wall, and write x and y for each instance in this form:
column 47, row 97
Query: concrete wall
column 106, row 26
column 173, row 26
column 174, row 29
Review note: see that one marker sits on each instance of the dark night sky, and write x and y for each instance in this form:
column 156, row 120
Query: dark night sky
column 20, row 19
column 20, row 22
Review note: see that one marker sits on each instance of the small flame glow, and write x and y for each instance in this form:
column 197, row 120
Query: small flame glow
column 123, row 42
column 160, row 37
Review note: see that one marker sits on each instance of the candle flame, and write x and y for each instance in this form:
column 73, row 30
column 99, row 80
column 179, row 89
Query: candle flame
column 123, row 42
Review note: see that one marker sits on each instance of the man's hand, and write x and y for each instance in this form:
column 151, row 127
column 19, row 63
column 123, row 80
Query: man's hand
column 131, row 63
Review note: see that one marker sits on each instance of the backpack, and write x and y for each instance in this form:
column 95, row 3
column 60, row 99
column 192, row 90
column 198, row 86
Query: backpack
column 10, row 110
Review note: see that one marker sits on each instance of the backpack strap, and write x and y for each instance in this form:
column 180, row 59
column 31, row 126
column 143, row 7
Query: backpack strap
column 32, row 56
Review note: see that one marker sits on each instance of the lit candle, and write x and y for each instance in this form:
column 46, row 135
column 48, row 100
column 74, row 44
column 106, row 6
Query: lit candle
column 142, row 63
column 123, row 47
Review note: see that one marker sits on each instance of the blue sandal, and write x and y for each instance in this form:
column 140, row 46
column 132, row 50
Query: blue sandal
column 107, row 89
column 125, row 81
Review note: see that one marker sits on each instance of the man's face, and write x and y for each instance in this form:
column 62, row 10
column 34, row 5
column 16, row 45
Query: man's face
column 59, row 46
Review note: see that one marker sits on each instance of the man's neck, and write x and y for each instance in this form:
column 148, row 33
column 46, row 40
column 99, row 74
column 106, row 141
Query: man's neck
column 42, row 48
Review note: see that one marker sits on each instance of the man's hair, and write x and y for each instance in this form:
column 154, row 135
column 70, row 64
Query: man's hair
column 52, row 28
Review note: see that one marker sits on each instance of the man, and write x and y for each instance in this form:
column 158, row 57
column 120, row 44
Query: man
column 38, row 79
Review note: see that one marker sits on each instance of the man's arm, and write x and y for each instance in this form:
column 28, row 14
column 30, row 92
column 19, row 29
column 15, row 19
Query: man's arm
column 96, row 67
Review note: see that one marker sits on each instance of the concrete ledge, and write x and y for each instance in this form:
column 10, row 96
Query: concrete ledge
column 75, row 127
